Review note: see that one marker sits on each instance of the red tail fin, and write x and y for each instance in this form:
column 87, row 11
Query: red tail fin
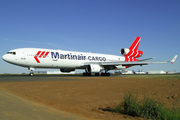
column 134, row 46
column 132, row 53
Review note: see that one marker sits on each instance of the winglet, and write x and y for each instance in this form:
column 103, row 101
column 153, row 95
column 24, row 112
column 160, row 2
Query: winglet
column 173, row 60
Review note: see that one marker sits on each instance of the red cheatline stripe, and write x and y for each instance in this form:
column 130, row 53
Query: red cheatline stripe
column 35, row 57
column 46, row 54
column 38, row 53
column 42, row 54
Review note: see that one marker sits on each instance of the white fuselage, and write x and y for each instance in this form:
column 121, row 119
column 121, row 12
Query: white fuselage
column 60, row 59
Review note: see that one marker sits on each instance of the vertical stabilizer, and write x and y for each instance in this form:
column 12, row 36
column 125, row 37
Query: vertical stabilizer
column 132, row 53
column 134, row 46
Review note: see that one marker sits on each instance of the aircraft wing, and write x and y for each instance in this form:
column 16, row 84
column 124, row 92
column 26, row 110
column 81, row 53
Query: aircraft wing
column 140, row 62
column 133, row 63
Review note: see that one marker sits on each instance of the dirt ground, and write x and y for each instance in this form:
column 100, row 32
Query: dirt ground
column 86, row 95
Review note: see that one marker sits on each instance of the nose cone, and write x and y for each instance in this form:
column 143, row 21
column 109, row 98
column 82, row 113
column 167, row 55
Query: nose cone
column 7, row 58
column 4, row 57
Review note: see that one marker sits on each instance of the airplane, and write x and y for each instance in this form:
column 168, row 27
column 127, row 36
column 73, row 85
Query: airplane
column 138, row 72
column 68, row 61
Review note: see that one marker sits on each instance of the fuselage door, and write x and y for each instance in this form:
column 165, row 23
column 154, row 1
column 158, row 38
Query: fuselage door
column 23, row 57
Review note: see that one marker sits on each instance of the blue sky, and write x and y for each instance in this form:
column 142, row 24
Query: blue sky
column 100, row 26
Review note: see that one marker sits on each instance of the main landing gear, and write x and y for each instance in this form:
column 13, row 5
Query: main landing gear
column 96, row 74
column 86, row 74
column 105, row 74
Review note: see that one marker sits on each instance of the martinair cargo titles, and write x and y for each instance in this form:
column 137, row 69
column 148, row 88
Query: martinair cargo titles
column 68, row 61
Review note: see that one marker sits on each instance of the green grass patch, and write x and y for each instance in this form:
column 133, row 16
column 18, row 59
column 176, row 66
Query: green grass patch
column 147, row 108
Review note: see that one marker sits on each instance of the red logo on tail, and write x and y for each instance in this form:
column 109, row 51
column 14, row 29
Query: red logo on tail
column 40, row 54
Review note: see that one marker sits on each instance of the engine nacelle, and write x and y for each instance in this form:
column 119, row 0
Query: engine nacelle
column 67, row 70
column 120, row 67
column 128, row 52
column 94, row 68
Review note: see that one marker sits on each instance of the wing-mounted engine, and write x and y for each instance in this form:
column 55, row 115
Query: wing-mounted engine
column 94, row 68
column 131, row 53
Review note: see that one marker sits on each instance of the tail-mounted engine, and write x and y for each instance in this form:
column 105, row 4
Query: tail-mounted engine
column 131, row 53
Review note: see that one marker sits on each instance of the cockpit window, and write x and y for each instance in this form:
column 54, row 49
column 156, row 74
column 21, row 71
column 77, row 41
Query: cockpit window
column 13, row 53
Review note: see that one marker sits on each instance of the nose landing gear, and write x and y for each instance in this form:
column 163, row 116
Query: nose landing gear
column 31, row 71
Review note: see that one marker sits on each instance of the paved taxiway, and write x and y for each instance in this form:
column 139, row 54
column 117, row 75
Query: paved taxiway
column 23, row 78
column 35, row 78
column 17, row 108
column 26, row 78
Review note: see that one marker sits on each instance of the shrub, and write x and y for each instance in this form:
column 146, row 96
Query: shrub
column 148, row 108
column 131, row 105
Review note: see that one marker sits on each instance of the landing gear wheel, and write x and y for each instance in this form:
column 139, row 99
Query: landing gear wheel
column 96, row 74
column 86, row 74
column 31, row 74
column 105, row 74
